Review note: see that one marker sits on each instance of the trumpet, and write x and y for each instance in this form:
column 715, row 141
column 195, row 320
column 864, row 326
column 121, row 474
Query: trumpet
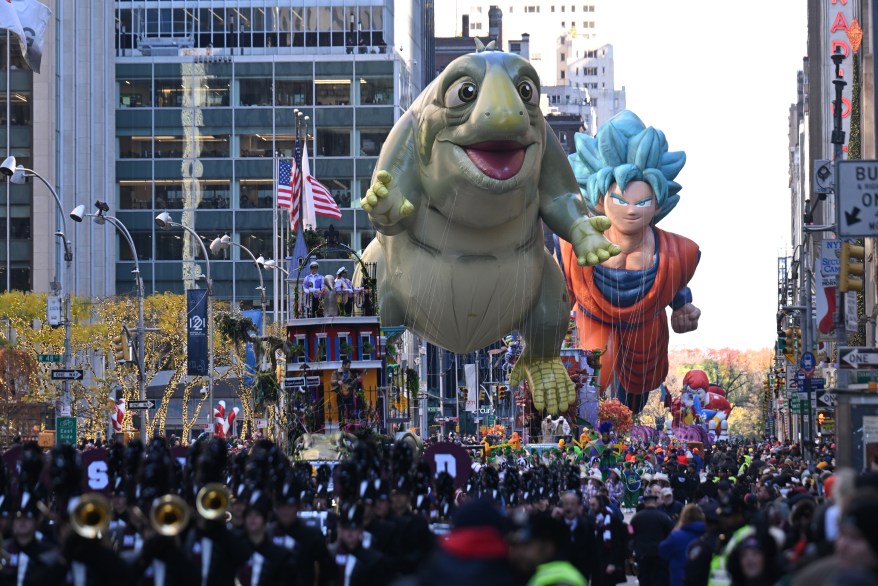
column 90, row 517
column 169, row 515
column 212, row 502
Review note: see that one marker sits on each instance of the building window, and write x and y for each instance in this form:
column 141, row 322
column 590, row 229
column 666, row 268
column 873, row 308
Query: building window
column 563, row 57
column 255, row 193
column 563, row 74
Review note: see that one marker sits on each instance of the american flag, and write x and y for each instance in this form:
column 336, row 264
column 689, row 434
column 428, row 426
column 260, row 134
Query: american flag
column 318, row 194
column 286, row 179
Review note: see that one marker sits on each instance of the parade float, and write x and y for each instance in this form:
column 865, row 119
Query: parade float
column 627, row 173
column 462, row 186
column 701, row 411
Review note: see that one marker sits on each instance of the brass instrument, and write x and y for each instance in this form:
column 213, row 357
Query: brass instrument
column 90, row 517
column 169, row 515
column 212, row 502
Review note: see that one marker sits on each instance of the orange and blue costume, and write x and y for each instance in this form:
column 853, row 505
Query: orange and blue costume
column 625, row 311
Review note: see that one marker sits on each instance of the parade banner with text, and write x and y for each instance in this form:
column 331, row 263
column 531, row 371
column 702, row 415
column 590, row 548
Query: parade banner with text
column 196, row 332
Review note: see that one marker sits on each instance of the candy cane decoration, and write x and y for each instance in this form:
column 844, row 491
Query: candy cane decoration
column 118, row 416
column 219, row 418
column 223, row 422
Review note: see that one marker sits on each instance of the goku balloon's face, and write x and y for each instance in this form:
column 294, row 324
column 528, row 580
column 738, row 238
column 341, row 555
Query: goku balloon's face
column 631, row 211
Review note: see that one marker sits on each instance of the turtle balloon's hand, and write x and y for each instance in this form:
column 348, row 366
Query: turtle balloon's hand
column 589, row 243
column 384, row 201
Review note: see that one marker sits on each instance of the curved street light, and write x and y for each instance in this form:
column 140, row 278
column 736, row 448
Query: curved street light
column 17, row 174
column 222, row 243
column 77, row 215
column 165, row 222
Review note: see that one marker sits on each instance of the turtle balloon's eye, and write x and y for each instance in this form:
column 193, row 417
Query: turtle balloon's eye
column 527, row 92
column 461, row 93
column 467, row 91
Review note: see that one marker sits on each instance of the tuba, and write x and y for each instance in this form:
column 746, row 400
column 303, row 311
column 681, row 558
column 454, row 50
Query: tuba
column 169, row 515
column 90, row 517
column 212, row 502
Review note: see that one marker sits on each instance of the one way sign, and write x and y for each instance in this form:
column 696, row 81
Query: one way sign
column 858, row 357
column 60, row 374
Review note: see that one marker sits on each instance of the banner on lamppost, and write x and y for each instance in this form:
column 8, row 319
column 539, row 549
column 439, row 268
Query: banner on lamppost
column 196, row 332
column 826, row 281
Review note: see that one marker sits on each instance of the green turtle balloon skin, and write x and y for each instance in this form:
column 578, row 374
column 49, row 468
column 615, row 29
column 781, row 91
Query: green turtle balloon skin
column 459, row 190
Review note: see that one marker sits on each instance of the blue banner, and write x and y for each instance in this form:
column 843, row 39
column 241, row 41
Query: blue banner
column 250, row 357
column 196, row 332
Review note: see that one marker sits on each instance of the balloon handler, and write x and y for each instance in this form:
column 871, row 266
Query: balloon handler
column 462, row 186
column 627, row 174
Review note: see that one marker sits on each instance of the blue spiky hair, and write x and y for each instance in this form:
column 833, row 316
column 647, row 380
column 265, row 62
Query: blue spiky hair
column 626, row 150
column 605, row 427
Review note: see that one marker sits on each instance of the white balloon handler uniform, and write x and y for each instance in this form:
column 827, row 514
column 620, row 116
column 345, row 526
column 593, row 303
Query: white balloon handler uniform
column 312, row 289
column 345, row 292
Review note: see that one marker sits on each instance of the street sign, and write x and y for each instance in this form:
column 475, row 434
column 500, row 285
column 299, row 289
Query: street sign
column 147, row 404
column 49, row 358
column 53, row 310
column 857, row 198
column 858, row 356
column 807, row 363
column 294, row 381
column 63, row 374
column 312, row 381
column 65, row 430
column 824, row 176
column 818, row 384
column 826, row 399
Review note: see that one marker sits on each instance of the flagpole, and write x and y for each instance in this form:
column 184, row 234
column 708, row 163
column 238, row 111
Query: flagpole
column 275, row 248
column 300, row 227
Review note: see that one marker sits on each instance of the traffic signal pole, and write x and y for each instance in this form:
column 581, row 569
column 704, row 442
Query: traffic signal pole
column 838, row 154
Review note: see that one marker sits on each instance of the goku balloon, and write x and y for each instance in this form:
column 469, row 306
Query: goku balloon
column 627, row 174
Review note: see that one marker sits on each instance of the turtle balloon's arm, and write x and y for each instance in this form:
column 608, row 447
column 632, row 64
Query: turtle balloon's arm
column 564, row 211
column 396, row 182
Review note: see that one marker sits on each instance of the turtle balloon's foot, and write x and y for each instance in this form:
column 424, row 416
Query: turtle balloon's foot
column 550, row 385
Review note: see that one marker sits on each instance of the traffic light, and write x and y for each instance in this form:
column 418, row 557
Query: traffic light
column 790, row 343
column 462, row 392
column 797, row 339
column 781, row 342
column 502, row 392
column 121, row 347
column 483, row 396
column 850, row 273
column 821, row 418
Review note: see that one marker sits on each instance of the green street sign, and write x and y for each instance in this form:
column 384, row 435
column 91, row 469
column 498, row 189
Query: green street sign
column 65, row 430
column 49, row 358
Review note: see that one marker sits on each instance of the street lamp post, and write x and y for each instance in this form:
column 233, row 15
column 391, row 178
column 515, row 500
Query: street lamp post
column 222, row 243
column 163, row 221
column 77, row 215
column 17, row 174
column 272, row 264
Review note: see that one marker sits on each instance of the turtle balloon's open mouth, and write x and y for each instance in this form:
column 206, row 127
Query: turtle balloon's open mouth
column 498, row 159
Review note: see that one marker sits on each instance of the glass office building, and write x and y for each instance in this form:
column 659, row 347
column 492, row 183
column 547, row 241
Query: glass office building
column 16, row 134
column 206, row 94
